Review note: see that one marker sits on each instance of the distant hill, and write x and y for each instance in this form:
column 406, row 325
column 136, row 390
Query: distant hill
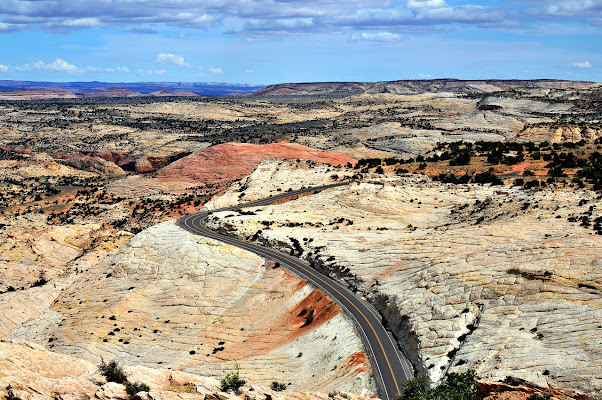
column 24, row 90
column 413, row 87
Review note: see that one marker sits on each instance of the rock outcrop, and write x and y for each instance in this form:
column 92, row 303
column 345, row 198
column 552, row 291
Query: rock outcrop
column 34, row 373
column 96, row 165
column 466, row 276
column 559, row 134
column 220, row 165
column 170, row 299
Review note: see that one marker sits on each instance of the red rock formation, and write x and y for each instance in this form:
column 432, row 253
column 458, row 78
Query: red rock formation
column 230, row 161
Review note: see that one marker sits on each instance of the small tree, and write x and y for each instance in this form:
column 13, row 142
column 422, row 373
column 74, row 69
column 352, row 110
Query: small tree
column 232, row 381
column 112, row 371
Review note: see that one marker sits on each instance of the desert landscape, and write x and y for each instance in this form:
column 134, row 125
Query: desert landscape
column 471, row 221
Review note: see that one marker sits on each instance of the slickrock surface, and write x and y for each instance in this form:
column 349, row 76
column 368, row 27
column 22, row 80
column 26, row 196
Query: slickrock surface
column 39, row 165
column 96, row 165
column 35, row 373
column 273, row 177
column 560, row 134
column 219, row 166
column 467, row 276
column 31, row 251
column 169, row 299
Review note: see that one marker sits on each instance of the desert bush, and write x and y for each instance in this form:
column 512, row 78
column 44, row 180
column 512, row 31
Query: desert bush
column 232, row 381
column 113, row 372
column 457, row 386
column 133, row 388
column 278, row 387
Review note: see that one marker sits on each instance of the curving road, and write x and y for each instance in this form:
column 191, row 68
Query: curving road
column 391, row 368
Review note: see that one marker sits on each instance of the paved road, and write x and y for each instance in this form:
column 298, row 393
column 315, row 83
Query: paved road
column 391, row 368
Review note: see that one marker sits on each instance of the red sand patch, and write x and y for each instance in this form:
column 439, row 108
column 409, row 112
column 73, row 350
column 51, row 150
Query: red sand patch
column 289, row 324
column 357, row 361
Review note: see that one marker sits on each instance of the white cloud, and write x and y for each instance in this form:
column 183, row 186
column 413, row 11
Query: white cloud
column 249, row 71
column 377, row 37
column 426, row 4
column 6, row 28
column 216, row 71
column 81, row 23
column 584, row 65
column 424, row 75
column 60, row 65
column 573, row 7
column 166, row 58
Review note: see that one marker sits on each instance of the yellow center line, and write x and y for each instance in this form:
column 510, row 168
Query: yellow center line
column 304, row 268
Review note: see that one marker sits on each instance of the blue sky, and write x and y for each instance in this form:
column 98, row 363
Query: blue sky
column 274, row 41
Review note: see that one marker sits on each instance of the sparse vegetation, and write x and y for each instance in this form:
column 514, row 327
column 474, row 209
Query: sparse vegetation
column 112, row 371
column 232, row 381
column 133, row 388
column 456, row 386
column 278, row 387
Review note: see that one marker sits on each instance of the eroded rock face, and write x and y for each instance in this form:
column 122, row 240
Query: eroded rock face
column 467, row 276
column 170, row 299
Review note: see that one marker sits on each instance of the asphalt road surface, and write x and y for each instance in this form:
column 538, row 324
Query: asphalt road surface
column 391, row 369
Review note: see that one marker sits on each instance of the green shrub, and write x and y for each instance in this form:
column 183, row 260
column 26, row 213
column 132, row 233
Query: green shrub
column 457, row 386
column 133, row 388
column 113, row 372
column 232, row 381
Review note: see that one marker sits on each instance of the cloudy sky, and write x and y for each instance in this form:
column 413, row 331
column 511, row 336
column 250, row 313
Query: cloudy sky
column 272, row 41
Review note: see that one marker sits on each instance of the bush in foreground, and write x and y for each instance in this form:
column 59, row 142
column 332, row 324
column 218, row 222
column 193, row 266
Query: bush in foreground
column 133, row 388
column 232, row 381
column 457, row 386
column 113, row 372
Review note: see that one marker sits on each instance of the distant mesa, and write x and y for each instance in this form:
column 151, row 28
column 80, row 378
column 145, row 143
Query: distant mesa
column 28, row 90
column 408, row 87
